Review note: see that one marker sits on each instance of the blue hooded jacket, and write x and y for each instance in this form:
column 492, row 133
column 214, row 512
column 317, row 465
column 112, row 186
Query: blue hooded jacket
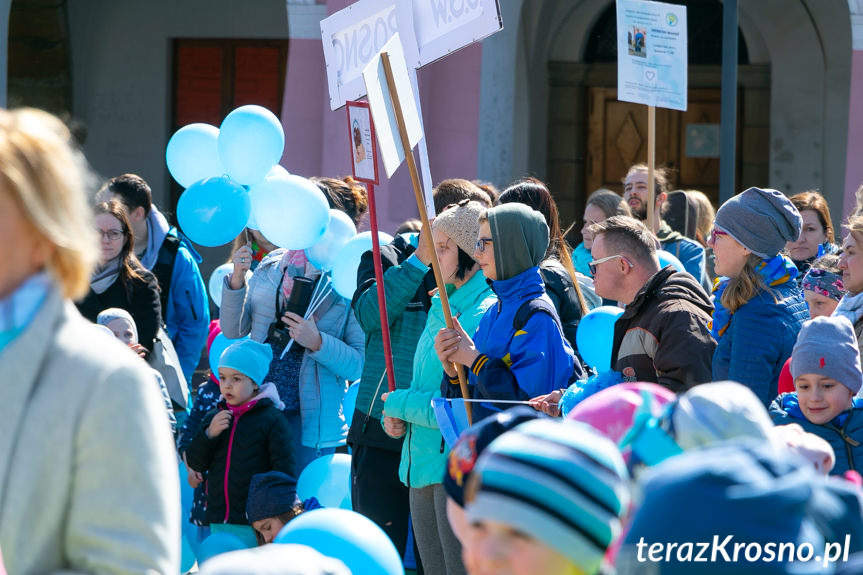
column 537, row 359
column 187, row 313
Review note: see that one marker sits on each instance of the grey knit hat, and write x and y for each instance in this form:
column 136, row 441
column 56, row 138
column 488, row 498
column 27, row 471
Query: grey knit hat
column 461, row 223
column 108, row 315
column 762, row 220
column 827, row 346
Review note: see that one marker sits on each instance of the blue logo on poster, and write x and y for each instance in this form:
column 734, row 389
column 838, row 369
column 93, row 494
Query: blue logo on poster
column 671, row 19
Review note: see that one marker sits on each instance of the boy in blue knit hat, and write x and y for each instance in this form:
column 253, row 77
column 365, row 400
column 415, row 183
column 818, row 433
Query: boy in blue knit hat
column 244, row 435
column 825, row 365
column 545, row 498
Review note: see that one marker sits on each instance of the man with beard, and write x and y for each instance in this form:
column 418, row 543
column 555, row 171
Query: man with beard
column 689, row 252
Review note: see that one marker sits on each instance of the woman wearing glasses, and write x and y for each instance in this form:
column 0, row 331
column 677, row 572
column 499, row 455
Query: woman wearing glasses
column 120, row 280
column 758, row 307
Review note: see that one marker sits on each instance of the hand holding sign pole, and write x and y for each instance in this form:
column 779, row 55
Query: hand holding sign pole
column 391, row 60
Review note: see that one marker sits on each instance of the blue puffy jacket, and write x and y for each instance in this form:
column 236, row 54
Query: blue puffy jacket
column 187, row 313
column 844, row 433
column 518, row 365
column 759, row 339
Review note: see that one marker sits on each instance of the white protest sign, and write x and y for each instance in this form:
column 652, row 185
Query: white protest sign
column 429, row 30
column 381, row 104
column 351, row 38
column 441, row 27
column 651, row 53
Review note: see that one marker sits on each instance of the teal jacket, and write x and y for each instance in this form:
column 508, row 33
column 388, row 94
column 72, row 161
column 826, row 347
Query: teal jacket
column 423, row 451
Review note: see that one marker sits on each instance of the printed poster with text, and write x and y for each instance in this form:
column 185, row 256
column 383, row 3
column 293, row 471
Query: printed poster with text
column 651, row 53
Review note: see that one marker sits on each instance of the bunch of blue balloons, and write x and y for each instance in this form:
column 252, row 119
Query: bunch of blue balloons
column 232, row 177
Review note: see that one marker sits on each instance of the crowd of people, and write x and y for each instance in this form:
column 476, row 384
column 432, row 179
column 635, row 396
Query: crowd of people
column 730, row 425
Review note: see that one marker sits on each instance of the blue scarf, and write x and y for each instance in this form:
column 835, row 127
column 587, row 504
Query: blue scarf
column 774, row 272
column 19, row 308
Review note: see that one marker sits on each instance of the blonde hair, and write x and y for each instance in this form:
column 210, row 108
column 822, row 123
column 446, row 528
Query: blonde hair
column 48, row 177
column 745, row 286
column 706, row 215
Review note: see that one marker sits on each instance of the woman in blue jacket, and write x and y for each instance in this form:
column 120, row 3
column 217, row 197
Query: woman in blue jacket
column 758, row 307
column 518, row 351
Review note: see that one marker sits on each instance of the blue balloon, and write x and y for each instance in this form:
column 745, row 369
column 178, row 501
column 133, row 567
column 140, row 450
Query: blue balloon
column 187, row 555
column 595, row 336
column 217, row 281
column 291, row 211
column 349, row 404
column 192, row 154
column 327, row 478
column 218, row 543
column 217, row 348
column 322, row 255
column 347, row 261
column 348, row 536
column 214, row 211
column 251, row 142
column 668, row 259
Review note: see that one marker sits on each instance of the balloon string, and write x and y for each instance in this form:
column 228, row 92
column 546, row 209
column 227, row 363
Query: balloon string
column 513, row 401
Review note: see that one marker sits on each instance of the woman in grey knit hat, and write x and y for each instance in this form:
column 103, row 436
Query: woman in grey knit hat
column 758, row 307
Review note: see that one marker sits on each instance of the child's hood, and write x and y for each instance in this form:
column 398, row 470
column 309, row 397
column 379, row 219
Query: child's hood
column 520, row 237
column 269, row 391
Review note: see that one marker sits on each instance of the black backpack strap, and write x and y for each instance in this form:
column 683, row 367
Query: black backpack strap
column 163, row 269
column 530, row 307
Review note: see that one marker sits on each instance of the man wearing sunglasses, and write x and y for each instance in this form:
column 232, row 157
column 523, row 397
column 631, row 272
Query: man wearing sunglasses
column 662, row 337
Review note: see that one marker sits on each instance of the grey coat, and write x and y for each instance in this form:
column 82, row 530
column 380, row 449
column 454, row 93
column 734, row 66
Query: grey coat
column 88, row 472
column 323, row 374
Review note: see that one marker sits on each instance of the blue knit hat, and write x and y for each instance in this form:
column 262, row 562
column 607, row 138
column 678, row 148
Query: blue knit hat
column 562, row 483
column 761, row 220
column 250, row 358
column 270, row 495
column 746, row 490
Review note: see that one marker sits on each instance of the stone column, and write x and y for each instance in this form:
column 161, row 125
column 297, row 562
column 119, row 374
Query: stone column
column 5, row 9
column 854, row 163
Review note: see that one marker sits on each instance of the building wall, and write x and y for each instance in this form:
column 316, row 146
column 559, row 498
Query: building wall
column 121, row 71
column 854, row 151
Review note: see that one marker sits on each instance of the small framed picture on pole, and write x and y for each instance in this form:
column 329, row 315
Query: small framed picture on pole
column 363, row 144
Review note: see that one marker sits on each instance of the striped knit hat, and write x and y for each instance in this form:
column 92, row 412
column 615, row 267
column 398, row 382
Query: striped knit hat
column 562, row 483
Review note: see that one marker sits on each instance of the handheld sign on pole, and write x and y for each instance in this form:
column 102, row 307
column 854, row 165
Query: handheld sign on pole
column 651, row 67
column 364, row 160
column 390, row 99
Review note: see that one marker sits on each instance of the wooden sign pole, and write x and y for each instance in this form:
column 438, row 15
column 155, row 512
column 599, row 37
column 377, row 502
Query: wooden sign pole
column 426, row 229
column 651, row 162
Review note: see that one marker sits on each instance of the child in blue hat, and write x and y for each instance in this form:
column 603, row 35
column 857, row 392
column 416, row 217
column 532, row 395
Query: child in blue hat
column 246, row 434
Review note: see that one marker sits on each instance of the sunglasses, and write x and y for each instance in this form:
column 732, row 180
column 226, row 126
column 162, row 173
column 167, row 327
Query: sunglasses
column 716, row 232
column 592, row 265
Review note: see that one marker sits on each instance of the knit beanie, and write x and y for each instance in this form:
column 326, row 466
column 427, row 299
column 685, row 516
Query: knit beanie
column 562, row 483
column 824, row 283
column 746, row 490
column 270, row 495
column 249, row 357
column 107, row 316
column 282, row 559
column 461, row 223
column 827, row 346
column 715, row 412
column 761, row 220
column 520, row 237
column 473, row 441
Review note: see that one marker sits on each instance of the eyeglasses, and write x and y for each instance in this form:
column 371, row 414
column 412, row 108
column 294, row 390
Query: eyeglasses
column 714, row 233
column 111, row 235
column 481, row 243
column 592, row 265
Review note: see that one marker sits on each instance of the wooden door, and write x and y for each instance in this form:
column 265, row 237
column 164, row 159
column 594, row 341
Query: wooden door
column 687, row 142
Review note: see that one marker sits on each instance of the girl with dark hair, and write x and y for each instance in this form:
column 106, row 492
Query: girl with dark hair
column 816, row 238
column 120, row 280
column 558, row 274
column 408, row 412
